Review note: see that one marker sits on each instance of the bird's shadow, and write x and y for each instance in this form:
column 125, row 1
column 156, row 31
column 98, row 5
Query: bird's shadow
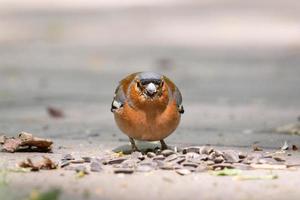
column 144, row 147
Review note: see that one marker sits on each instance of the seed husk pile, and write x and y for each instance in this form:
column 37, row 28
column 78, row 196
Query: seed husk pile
column 189, row 160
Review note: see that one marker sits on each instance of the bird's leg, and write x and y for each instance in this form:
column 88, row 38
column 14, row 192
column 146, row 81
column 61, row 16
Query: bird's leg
column 163, row 145
column 133, row 145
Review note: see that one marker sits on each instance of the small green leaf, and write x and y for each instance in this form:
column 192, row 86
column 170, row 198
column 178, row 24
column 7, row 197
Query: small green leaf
column 52, row 194
column 227, row 172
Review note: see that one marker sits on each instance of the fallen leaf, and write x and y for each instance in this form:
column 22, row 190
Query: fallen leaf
column 47, row 164
column 26, row 141
column 28, row 164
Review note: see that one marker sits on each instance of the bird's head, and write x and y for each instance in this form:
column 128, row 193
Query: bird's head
column 149, row 88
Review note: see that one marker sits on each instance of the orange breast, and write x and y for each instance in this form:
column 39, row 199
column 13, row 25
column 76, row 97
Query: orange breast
column 150, row 125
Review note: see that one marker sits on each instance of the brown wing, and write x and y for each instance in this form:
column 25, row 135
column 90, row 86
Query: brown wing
column 120, row 93
column 176, row 94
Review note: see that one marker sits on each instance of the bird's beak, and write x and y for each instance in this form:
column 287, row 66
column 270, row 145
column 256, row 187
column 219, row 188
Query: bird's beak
column 151, row 88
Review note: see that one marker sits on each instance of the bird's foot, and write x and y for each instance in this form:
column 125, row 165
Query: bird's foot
column 163, row 145
column 133, row 145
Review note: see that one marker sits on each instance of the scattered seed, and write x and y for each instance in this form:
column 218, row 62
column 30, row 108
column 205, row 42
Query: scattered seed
column 223, row 165
column 137, row 155
column 167, row 152
column 231, row 156
column 179, row 159
column 194, row 149
column 130, row 163
column 79, row 161
column 167, row 166
column 279, row 159
column 96, row 166
column 116, row 161
column 183, row 171
column 242, row 155
column 256, row 148
column 159, row 157
column 68, row 157
column 123, row 171
column 171, row 157
column 151, row 154
column 219, row 159
column 64, row 163
column 189, row 164
column 206, row 150
column 285, row 146
column 86, row 159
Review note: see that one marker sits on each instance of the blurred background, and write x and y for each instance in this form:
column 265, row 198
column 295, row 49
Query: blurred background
column 236, row 63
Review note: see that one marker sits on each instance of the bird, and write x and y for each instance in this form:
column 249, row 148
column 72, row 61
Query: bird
column 147, row 106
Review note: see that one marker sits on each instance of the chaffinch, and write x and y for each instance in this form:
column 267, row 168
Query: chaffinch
column 147, row 106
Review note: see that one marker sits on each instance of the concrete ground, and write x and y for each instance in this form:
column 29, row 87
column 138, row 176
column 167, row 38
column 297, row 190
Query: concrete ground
column 235, row 62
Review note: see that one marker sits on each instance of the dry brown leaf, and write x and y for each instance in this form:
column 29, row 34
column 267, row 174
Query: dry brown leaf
column 46, row 163
column 26, row 141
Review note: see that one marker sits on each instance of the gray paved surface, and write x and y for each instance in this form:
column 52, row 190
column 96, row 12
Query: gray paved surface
column 236, row 63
